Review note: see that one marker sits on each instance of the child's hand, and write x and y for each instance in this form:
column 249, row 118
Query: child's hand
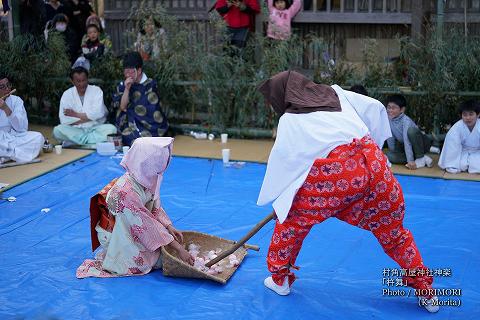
column 177, row 235
column 186, row 257
column 411, row 165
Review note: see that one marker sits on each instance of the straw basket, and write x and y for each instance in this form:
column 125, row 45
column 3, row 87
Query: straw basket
column 174, row 267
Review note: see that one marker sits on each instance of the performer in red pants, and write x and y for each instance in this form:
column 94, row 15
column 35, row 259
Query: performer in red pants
column 326, row 163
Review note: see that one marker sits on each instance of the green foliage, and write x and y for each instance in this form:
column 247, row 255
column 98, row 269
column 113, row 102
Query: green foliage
column 376, row 73
column 33, row 67
column 106, row 72
column 208, row 83
column 442, row 68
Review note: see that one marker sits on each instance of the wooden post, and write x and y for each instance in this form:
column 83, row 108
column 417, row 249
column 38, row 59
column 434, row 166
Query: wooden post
column 465, row 14
column 418, row 19
column 10, row 26
column 100, row 4
column 258, row 32
column 14, row 16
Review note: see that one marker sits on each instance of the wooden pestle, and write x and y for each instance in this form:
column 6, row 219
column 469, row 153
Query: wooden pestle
column 240, row 243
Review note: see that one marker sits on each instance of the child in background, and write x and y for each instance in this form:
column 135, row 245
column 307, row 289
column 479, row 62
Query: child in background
column 408, row 144
column 103, row 37
column 239, row 15
column 279, row 26
column 93, row 48
column 461, row 150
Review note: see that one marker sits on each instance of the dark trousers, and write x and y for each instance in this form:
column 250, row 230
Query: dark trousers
column 420, row 142
column 237, row 36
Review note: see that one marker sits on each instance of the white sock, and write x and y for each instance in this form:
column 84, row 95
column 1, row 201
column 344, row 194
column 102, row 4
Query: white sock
column 434, row 149
column 420, row 162
column 428, row 161
column 282, row 290
column 452, row 170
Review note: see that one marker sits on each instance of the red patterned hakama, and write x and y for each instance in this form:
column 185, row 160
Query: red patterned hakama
column 355, row 185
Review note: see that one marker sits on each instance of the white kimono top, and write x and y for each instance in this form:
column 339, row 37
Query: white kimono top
column 302, row 138
column 16, row 142
column 92, row 106
column 461, row 149
column 18, row 120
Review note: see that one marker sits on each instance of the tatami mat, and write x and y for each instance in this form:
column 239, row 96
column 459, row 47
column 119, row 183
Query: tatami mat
column 49, row 161
column 45, row 130
column 434, row 172
column 259, row 150
column 240, row 150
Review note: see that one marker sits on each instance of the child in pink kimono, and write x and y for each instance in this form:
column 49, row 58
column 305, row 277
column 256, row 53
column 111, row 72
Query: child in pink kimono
column 127, row 219
column 280, row 18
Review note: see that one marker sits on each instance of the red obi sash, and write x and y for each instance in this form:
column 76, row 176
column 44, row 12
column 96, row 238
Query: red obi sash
column 99, row 214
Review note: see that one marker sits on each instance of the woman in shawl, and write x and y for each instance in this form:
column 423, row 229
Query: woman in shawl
column 127, row 219
column 326, row 163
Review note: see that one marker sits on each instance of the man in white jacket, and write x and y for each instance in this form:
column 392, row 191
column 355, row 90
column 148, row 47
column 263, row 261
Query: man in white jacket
column 82, row 112
column 16, row 142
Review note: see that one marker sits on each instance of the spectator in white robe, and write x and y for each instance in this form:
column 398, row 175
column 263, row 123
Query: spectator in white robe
column 461, row 150
column 82, row 113
column 16, row 142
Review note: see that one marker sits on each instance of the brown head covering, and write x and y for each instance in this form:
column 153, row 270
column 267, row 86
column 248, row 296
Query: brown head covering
column 291, row 92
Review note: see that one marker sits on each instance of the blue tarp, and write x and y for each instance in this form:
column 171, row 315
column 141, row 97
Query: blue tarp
column 341, row 266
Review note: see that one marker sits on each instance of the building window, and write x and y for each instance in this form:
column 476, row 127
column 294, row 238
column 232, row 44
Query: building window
column 349, row 5
column 335, row 5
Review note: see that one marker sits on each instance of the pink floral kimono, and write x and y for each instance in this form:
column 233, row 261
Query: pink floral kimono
column 135, row 229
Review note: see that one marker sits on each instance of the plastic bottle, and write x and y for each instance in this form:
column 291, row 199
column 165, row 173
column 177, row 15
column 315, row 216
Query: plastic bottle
column 198, row 135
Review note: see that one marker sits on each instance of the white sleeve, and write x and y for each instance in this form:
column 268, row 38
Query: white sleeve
column 18, row 119
column 452, row 149
column 95, row 109
column 373, row 114
column 66, row 102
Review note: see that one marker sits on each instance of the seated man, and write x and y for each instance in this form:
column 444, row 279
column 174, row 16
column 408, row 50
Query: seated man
column 408, row 144
column 16, row 143
column 137, row 103
column 461, row 150
column 82, row 112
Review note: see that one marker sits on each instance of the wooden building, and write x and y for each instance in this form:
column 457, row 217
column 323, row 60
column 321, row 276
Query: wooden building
column 342, row 23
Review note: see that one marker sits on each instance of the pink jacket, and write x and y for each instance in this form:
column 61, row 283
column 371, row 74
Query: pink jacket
column 279, row 24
